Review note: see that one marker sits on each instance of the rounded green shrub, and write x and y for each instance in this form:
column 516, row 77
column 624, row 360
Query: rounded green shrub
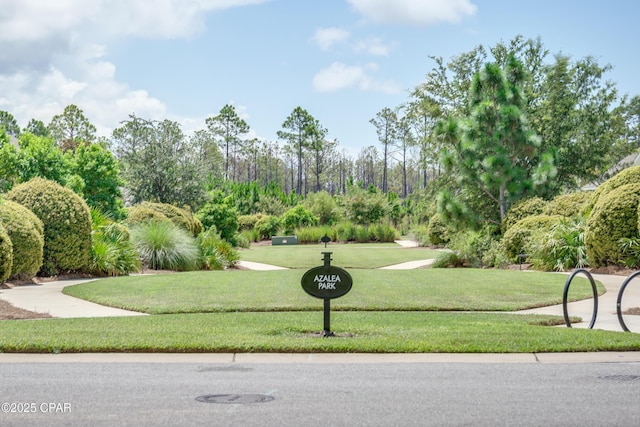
column 627, row 176
column 522, row 236
column 521, row 210
column 569, row 205
column 6, row 254
column 182, row 217
column 222, row 216
column 67, row 223
column 248, row 222
column 614, row 217
column 297, row 217
column 139, row 214
column 384, row 233
column 27, row 235
column 437, row 231
column 323, row 206
column 268, row 226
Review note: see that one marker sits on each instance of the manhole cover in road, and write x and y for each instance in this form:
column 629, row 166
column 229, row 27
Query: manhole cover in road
column 621, row 377
column 235, row 398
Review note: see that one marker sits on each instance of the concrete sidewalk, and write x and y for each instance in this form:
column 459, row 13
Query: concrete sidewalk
column 607, row 317
column 48, row 298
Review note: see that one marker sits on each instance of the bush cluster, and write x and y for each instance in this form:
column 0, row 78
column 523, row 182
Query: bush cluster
column 562, row 249
column 522, row 209
column 112, row 252
column 150, row 211
column 26, row 232
column 523, row 235
column 614, row 217
column 66, row 220
column 221, row 216
column 139, row 214
column 568, row 205
column 437, row 231
column 627, row 176
column 6, row 255
column 217, row 253
column 297, row 217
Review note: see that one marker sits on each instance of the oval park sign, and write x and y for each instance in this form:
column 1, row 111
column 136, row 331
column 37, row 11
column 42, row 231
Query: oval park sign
column 326, row 282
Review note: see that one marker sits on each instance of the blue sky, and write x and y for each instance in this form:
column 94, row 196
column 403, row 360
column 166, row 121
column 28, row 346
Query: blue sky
column 341, row 60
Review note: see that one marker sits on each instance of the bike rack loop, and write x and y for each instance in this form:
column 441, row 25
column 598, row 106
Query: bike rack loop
column 595, row 297
column 619, row 302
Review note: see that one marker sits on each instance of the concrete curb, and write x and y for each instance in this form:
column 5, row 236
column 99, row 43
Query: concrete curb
column 324, row 358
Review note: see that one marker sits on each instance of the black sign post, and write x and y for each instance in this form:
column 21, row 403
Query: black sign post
column 327, row 282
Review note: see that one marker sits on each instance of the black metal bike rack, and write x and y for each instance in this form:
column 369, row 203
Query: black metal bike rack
column 565, row 294
column 619, row 302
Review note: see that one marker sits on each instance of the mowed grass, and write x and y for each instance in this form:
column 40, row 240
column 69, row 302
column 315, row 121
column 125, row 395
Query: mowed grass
column 369, row 332
column 353, row 255
column 373, row 290
column 387, row 311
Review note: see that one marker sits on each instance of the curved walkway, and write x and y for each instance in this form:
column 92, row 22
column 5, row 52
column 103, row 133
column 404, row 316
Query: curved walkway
column 48, row 298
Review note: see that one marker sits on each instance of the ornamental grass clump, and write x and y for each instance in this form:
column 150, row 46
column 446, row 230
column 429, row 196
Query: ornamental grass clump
column 164, row 246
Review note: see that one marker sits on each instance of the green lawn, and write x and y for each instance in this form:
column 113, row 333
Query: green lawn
column 373, row 290
column 376, row 332
column 387, row 311
column 366, row 255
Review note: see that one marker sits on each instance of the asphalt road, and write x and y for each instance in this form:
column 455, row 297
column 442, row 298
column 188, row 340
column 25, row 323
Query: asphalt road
column 348, row 394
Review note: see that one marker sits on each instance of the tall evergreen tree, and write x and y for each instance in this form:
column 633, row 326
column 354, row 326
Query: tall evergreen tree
column 8, row 122
column 159, row 164
column 71, row 128
column 228, row 128
column 493, row 150
column 36, row 127
column 300, row 129
column 386, row 122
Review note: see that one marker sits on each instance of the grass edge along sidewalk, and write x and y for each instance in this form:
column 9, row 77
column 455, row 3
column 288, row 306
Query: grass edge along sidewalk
column 361, row 332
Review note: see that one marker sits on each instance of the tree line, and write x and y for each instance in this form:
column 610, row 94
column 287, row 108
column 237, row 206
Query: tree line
column 559, row 121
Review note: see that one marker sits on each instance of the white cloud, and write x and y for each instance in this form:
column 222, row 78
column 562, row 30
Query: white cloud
column 51, row 54
column 327, row 37
column 340, row 76
column 37, row 19
column 423, row 12
column 373, row 46
column 31, row 93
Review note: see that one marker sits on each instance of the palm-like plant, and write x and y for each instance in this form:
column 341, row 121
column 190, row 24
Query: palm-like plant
column 112, row 253
column 563, row 248
column 217, row 253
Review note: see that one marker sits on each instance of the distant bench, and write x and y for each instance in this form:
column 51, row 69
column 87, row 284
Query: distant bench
column 284, row 240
